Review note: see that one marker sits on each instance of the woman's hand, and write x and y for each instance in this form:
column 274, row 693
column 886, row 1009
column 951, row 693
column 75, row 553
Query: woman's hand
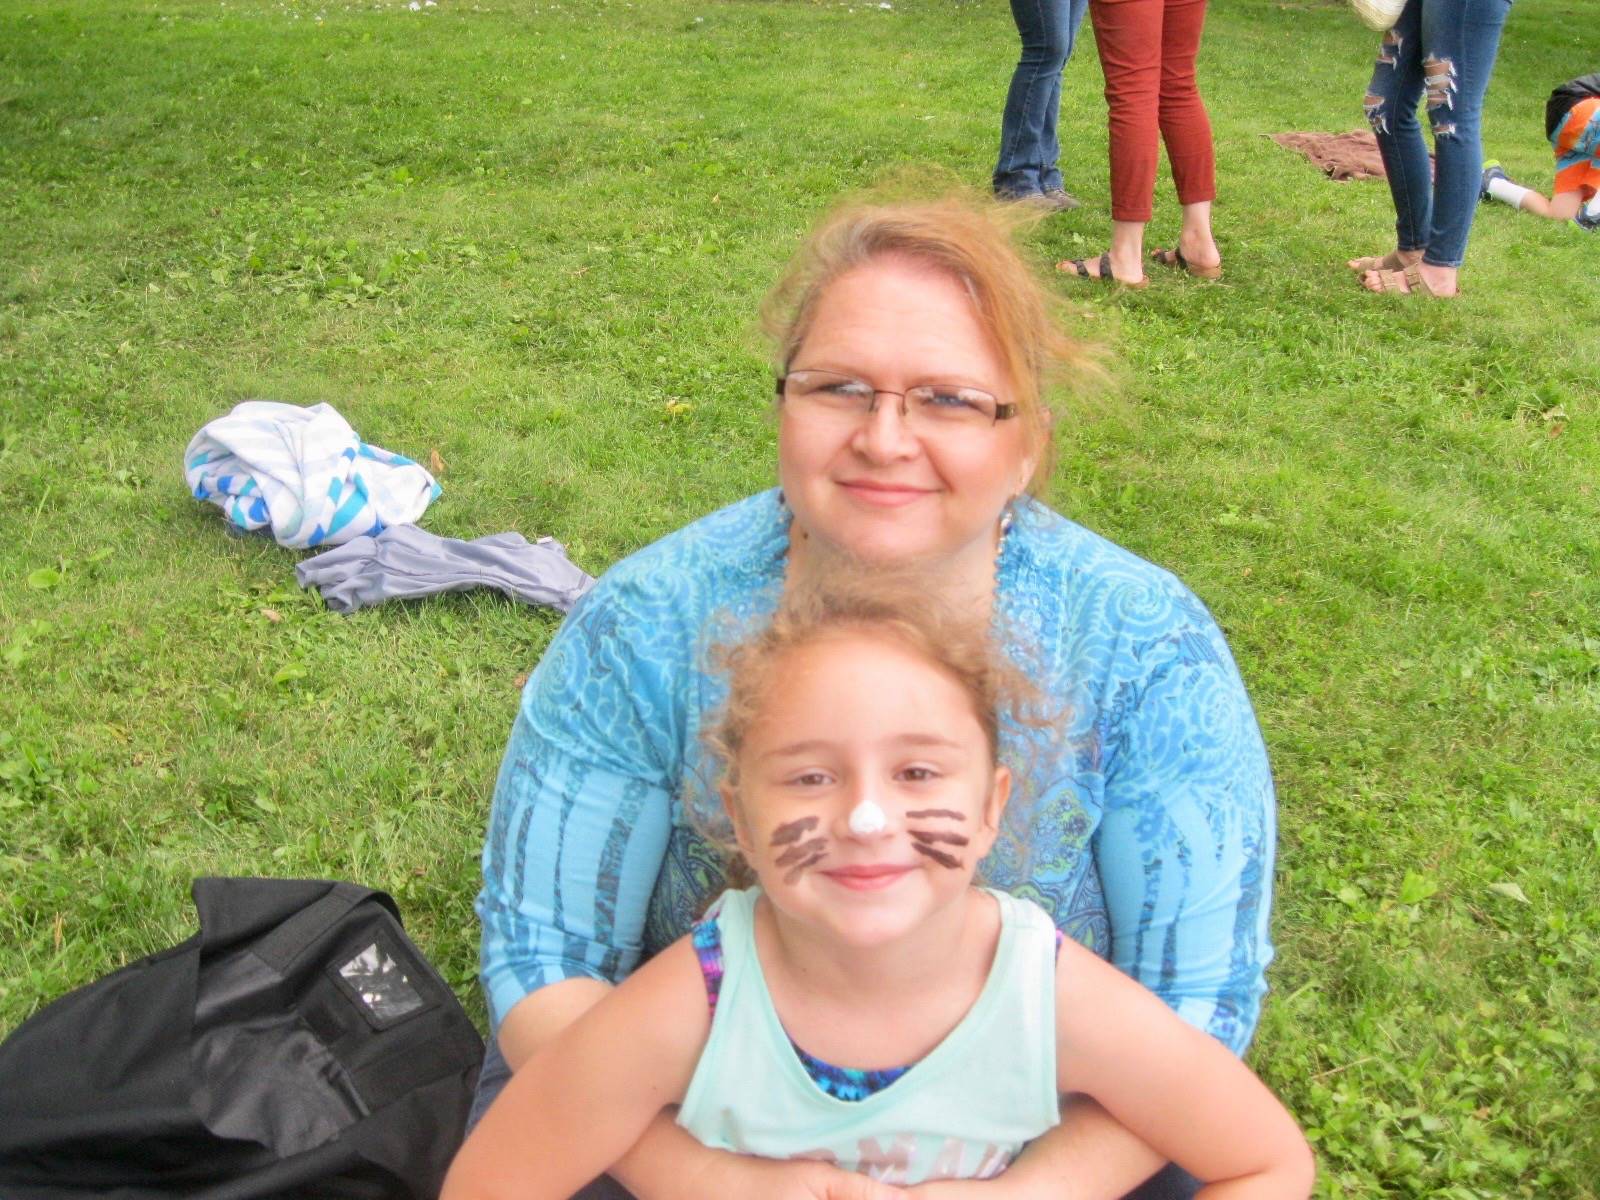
column 824, row 1182
column 741, row 1176
column 667, row 1163
column 963, row 1189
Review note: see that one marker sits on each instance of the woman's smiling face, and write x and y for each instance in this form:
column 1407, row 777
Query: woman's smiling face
column 875, row 489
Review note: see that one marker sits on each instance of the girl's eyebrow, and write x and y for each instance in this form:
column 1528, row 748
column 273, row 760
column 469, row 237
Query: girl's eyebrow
column 813, row 745
column 797, row 748
column 928, row 739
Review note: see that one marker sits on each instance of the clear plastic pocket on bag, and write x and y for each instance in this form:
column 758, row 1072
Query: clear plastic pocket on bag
column 379, row 983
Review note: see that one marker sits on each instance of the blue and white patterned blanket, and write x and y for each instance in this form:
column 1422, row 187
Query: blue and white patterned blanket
column 304, row 474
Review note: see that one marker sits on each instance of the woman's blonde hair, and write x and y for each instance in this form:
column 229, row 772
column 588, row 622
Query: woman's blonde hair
column 971, row 239
column 903, row 607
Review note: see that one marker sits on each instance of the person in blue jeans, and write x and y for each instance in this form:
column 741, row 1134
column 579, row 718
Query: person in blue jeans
column 1028, row 167
column 1442, row 51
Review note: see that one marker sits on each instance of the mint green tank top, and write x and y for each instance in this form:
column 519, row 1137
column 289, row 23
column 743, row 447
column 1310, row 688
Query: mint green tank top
column 962, row 1112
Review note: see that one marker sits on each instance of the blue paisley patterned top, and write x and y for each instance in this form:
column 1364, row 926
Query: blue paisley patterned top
column 1151, row 830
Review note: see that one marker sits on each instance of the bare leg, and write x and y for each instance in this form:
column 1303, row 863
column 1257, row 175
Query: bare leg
column 1127, row 250
column 1563, row 206
column 1196, row 242
column 1126, row 257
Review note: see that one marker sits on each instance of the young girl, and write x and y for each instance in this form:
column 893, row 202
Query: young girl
column 866, row 1004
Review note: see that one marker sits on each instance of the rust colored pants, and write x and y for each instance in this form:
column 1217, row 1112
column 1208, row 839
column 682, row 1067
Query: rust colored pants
column 1147, row 50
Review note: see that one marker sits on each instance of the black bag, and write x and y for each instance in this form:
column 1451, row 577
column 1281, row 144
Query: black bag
column 298, row 1046
column 1568, row 94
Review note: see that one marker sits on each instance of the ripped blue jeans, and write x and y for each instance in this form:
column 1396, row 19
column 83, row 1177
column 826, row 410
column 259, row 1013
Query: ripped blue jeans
column 1441, row 52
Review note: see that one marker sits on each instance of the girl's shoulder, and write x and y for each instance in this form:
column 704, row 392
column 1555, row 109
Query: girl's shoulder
column 1024, row 917
column 724, row 923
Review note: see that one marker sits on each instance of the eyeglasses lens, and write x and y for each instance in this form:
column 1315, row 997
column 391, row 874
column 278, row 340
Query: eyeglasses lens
column 928, row 407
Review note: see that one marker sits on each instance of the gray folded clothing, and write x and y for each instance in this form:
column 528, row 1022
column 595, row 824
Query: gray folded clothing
column 404, row 562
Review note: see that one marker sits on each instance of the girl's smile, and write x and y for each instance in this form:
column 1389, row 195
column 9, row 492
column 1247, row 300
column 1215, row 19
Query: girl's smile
column 870, row 878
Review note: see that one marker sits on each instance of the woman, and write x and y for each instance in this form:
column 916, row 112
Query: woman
column 1029, row 167
column 1444, row 49
column 1147, row 50
column 912, row 347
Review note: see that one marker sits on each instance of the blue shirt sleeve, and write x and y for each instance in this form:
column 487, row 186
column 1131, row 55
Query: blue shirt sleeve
column 582, row 804
column 1185, row 844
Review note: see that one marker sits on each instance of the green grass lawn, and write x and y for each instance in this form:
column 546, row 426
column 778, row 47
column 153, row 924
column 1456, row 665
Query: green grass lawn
column 532, row 237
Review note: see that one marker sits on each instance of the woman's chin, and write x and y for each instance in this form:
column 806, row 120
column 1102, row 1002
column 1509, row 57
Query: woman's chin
column 889, row 545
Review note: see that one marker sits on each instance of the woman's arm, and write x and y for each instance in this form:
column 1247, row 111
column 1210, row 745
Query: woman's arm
column 585, row 1097
column 576, row 838
column 1186, row 839
column 1179, row 1090
column 582, row 805
column 1089, row 1156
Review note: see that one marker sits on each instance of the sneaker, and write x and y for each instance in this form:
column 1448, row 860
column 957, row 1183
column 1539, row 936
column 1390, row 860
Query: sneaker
column 1007, row 196
column 1053, row 200
column 1491, row 171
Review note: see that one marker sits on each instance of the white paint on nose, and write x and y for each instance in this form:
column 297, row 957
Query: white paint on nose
column 867, row 818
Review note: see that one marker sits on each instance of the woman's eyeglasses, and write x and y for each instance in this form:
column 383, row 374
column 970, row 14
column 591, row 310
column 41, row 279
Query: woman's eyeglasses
column 929, row 407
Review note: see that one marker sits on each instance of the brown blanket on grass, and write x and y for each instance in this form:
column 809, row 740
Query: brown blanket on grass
column 1351, row 155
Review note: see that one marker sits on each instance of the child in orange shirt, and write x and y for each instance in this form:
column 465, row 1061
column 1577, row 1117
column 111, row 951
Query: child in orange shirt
column 1572, row 123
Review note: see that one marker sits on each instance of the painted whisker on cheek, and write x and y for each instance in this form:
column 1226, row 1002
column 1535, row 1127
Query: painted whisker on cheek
column 937, row 812
column 814, row 848
column 802, row 866
column 937, row 835
column 793, row 831
column 938, row 856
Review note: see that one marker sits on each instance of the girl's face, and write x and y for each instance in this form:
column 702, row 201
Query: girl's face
column 867, row 789
column 876, row 489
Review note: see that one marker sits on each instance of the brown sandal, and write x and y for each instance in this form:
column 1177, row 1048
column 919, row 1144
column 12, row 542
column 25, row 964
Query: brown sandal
column 1078, row 268
column 1377, row 262
column 1175, row 258
column 1390, row 283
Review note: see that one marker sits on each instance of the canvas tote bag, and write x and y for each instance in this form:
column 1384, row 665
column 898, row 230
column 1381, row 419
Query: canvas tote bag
column 298, row 1046
column 1379, row 15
